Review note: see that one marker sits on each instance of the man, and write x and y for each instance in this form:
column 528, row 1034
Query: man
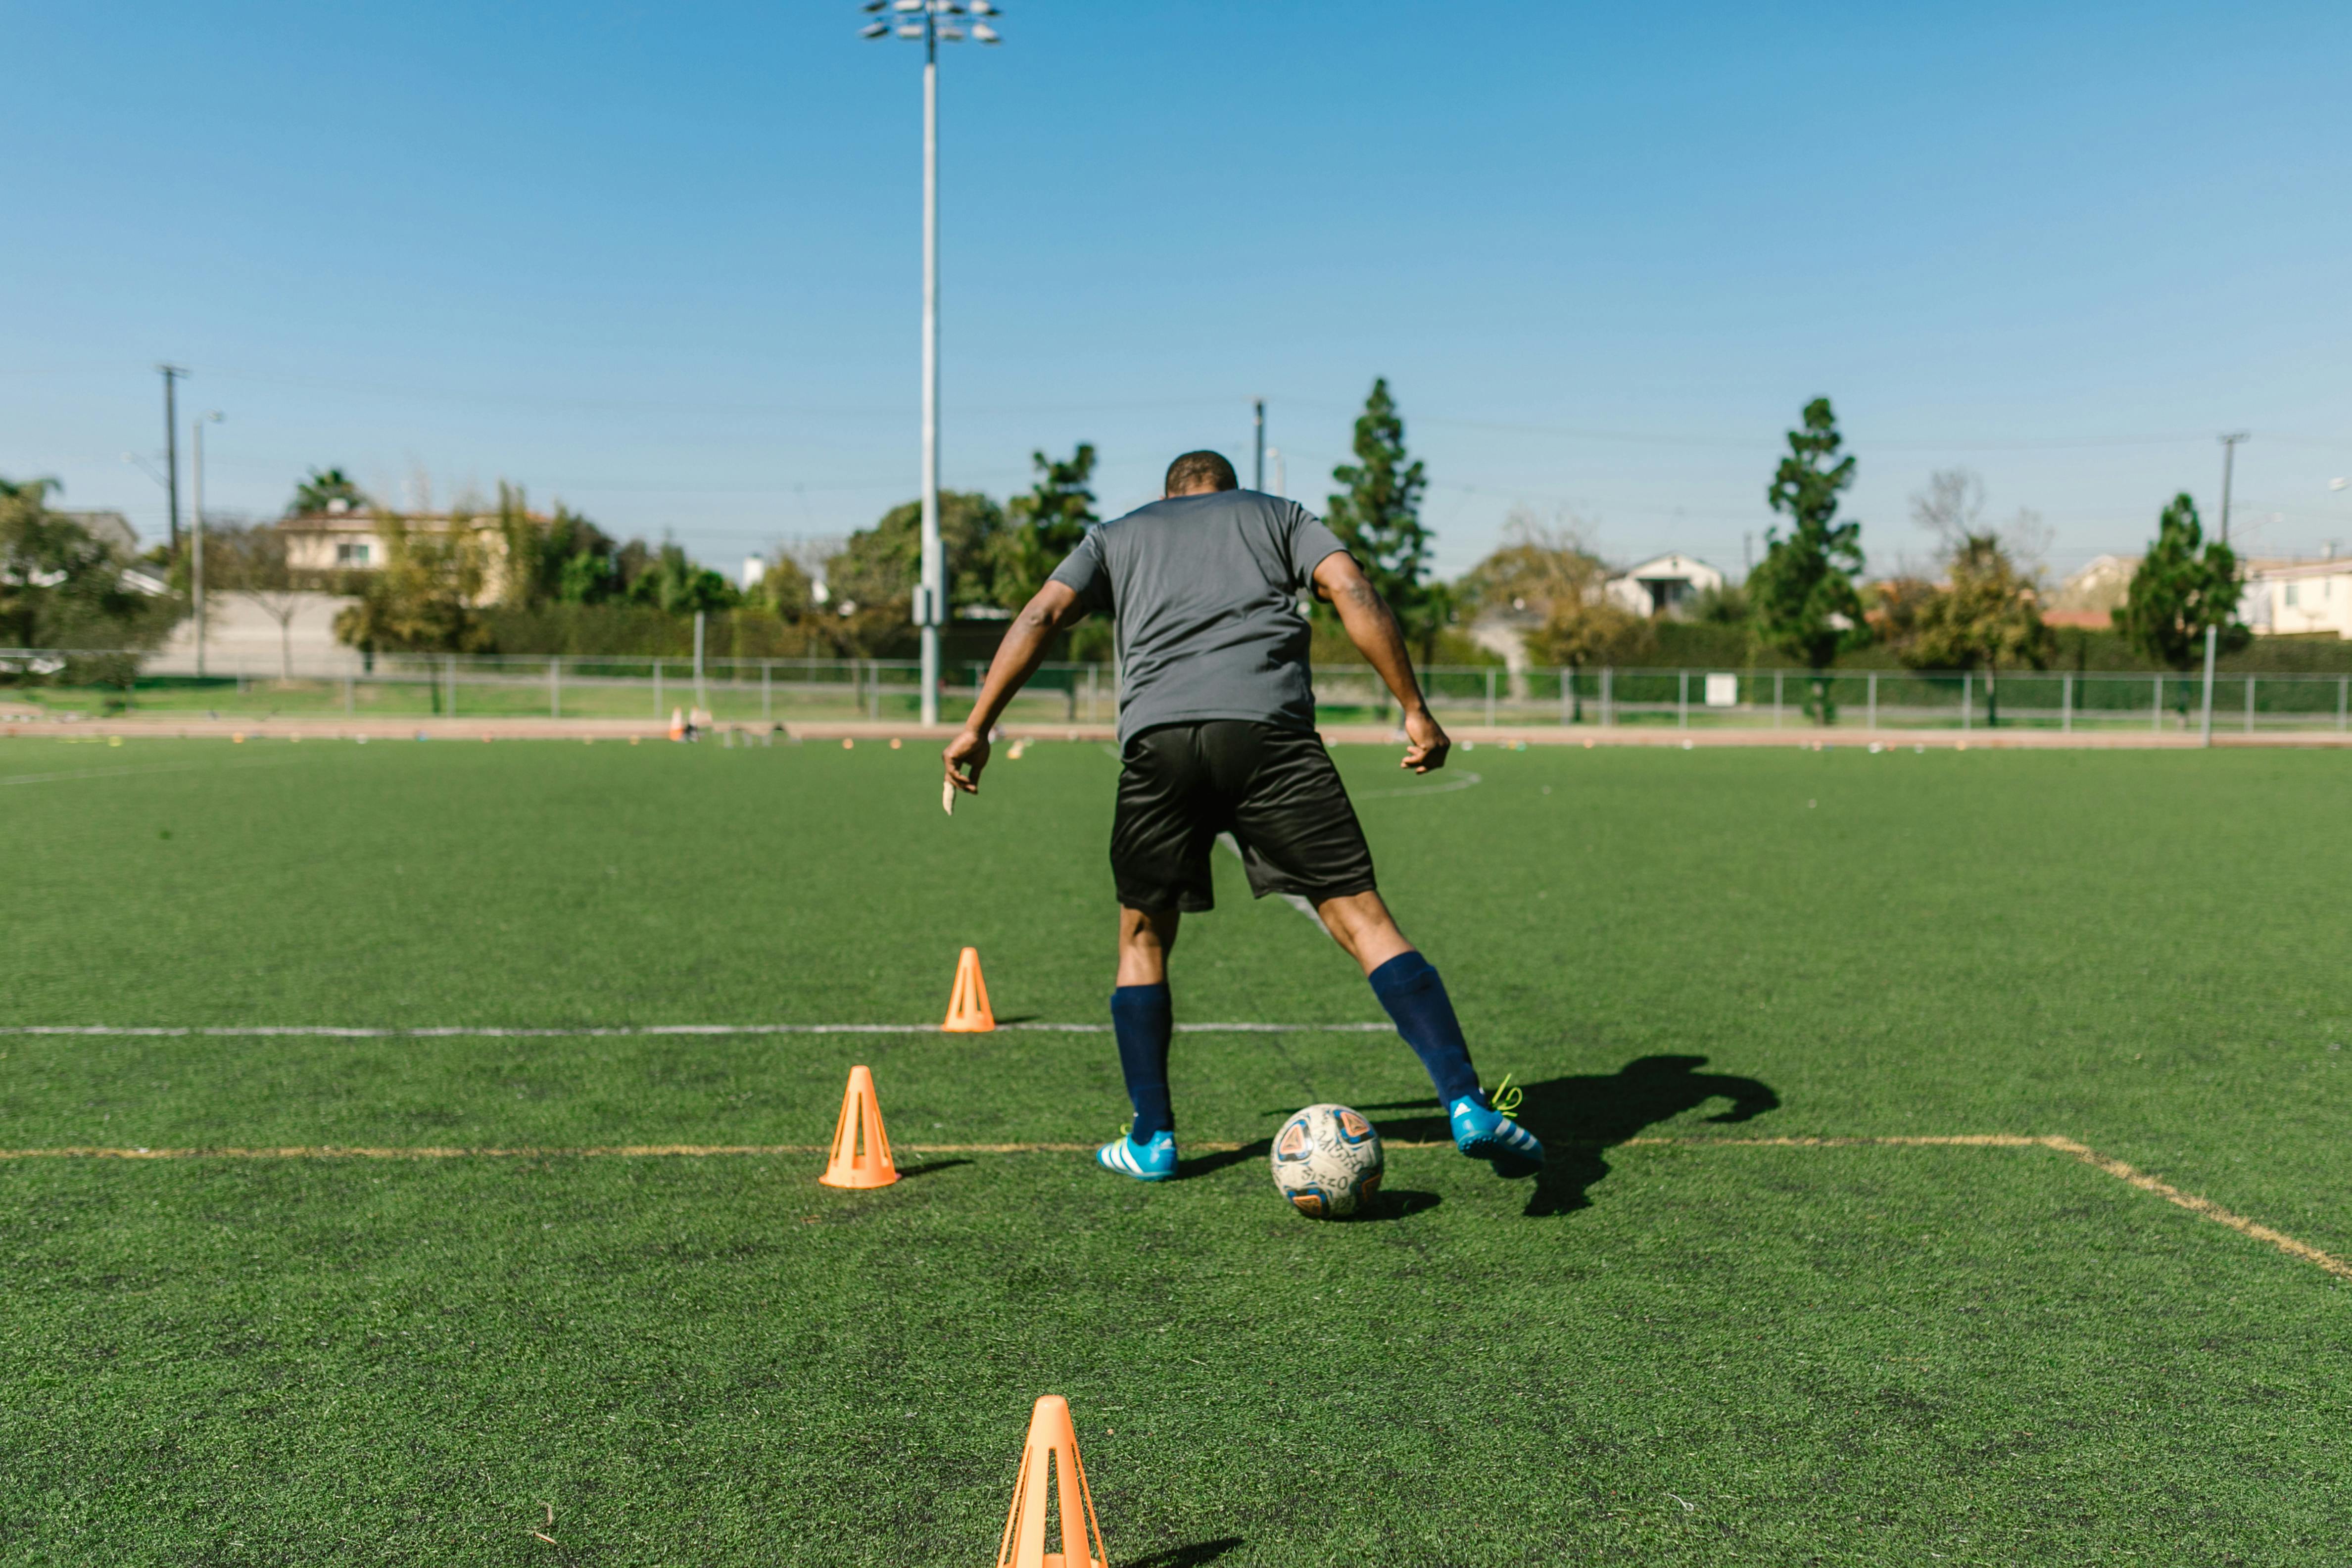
column 1216, row 726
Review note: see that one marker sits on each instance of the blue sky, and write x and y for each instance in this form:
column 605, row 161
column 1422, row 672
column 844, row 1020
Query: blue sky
column 661, row 261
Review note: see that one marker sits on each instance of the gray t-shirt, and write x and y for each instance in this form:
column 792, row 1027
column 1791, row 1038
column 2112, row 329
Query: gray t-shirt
column 1205, row 590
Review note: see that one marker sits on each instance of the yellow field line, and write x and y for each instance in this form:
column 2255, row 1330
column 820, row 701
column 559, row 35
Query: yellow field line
column 2204, row 1208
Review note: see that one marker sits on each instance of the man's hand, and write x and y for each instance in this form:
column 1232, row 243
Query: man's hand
column 966, row 755
column 1426, row 743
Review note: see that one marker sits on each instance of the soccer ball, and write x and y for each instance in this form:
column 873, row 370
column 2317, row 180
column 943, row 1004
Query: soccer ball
column 1326, row 1161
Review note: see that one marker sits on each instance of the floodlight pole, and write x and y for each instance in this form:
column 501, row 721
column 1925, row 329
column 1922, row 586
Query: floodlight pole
column 932, row 595
column 931, row 590
column 1258, row 483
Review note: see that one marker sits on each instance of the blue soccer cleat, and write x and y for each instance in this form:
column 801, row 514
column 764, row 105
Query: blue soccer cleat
column 1484, row 1134
column 1154, row 1161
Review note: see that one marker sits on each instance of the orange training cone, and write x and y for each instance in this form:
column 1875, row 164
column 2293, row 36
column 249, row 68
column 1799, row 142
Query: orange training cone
column 968, row 1004
column 1053, row 1445
column 861, row 1149
column 677, row 724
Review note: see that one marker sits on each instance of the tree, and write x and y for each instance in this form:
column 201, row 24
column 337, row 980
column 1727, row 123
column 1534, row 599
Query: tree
column 2183, row 585
column 250, row 562
column 784, row 590
column 425, row 597
column 1986, row 616
column 563, row 560
column 1551, row 576
column 872, row 579
column 676, row 585
column 1044, row 526
column 1379, row 519
column 61, row 588
column 1804, row 593
column 321, row 489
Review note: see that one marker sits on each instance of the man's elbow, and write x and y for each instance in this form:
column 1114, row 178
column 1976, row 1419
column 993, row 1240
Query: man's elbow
column 1037, row 620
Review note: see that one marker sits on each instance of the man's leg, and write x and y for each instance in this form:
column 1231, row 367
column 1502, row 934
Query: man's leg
column 1409, row 989
column 1143, row 1017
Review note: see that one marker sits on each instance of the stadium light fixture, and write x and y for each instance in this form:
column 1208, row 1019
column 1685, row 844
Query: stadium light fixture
column 931, row 23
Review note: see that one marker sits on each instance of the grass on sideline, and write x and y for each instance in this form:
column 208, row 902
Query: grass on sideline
column 1665, row 1355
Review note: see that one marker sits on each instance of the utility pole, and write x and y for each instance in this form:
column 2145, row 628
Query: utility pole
column 196, row 537
column 2228, row 460
column 172, row 374
column 1258, row 483
column 1281, row 472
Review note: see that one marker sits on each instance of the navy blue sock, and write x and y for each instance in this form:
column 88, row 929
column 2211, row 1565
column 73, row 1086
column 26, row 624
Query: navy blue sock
column 1143, row 1018
column 1409, row 988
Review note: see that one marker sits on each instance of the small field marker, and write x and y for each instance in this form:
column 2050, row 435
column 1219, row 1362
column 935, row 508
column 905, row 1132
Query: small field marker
column 861, row 1149
column 1052, row 1447
column 968, row 1010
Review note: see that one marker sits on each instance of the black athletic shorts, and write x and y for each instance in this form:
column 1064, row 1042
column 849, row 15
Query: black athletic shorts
column 1273, row 789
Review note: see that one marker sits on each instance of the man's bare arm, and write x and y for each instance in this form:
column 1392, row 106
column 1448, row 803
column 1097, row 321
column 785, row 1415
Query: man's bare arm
column 1372, row 627
column 1017, row 658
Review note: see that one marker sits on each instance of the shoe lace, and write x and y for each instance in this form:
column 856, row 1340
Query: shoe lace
column 1507, row 1098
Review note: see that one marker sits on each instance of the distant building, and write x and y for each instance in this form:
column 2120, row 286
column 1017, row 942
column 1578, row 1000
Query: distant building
column 1665, row 586
column 345, row 538
column 2286, row 598
column 106, row 527
column 2090, row 597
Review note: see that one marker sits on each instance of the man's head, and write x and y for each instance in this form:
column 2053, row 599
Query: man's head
column 1200, row 473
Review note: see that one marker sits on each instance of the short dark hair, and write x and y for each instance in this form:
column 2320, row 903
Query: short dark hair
column 1189, row 471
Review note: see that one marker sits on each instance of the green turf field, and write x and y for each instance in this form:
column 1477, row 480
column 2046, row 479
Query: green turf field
column 1693, row 1352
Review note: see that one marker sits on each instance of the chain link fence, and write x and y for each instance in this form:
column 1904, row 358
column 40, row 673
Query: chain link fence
column 768, row 691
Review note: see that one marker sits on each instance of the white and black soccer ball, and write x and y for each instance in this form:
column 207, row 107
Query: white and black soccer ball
column 1326, row 1161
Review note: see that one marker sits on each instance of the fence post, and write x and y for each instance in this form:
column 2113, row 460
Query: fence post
column 1872, row 724
column 658, row 688
column 701, row 697
column 452, row 685
column 767, row 690
column 2205, row 713
column 1567, row 694
column 2066, row 702
column 555, row 686
column 1608, row 697
column 1490, row 696
column 874, row 690
column 1093, row 688
column 2156, row 711
column 1682, row 699
column 2249, row 704
column 2343, row 699
column 1776, row 698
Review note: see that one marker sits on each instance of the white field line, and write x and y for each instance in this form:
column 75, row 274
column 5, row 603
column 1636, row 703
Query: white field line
column 103, row 773
column 480, row 1031
column 2203, row 1208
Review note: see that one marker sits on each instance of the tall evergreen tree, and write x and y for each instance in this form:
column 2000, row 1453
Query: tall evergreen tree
column 1045, row 524
column 2183, row 585
column 1802, row 590
column 1379, row 519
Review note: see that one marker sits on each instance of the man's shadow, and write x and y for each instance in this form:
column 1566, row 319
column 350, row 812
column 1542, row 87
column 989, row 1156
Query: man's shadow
column 1579, row 1117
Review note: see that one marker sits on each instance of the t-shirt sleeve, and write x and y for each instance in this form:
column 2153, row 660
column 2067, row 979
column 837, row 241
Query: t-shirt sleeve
column 1085, row 573
column 1310, row 541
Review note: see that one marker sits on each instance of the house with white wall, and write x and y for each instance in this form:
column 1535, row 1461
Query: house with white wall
column 2283, row 597
column 1664, row 586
